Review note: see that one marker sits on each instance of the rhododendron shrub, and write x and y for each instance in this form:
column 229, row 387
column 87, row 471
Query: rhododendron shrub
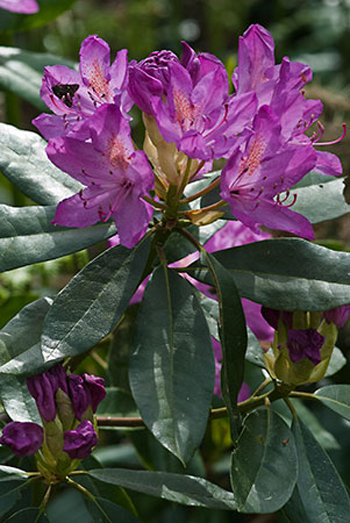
column 218, row 321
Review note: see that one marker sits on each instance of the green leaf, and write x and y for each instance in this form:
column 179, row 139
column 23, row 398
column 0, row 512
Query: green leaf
column 336, row 398
column 49, row 11
column 323, row 495
column 27, row 236
column 233, row 337
column 90, row 306
column 20, row 351
column 68, row 507
column 117, row 403
column 104, row 511
column 319, row 202
column 293, row 511
column 322, row 435
column 29, row 515
column 17, row 401
column 21, row 72
column 24, row 162
column 336, row 362
column 12, row 480
column 287, row 274
column 172, row 365
column 188, row 490
column 264, row 465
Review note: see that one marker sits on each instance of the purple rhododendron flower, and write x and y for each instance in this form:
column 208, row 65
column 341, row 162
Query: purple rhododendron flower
column 201, row 118
column 79, row 394
column 280, row 86
column 23, row 438
column 26, row 7
column 305, row 344
column 74, row 96
column 115, row 174
column 79, row 443
column 96, row 387
column 337, row 316
column 262, row 166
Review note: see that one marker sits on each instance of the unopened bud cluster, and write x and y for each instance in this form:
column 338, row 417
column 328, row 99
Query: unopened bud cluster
column 66, row 403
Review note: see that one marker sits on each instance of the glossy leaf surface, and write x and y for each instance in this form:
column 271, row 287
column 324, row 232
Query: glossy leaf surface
column 24, row 162
column 323, row 495
column 264, row 465
column 90, row 306
column 336, row 398
column 188, row 490
column 287, row 274
column 27, row 236
column 172, row 364
column 20, row 351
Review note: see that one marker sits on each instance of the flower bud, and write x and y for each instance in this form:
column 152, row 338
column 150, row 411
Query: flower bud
column 43, row 388
column 302, row 346
column 23, row 438
column 40, row 387
column 149, row 78
column 79, row 394
column 78, row 443
column 96, row 387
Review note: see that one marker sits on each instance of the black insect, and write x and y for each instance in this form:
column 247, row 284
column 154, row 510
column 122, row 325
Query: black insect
column 66, row 93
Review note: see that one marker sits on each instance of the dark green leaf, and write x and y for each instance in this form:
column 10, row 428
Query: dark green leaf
column 27, row 236
column 68, row 507
column 337, row 398
column 12, row 480
column 233, row 337
column 29, row 515
column 90, row 306
column 264, row 465
column 119, row 350
column 172, row 365
column 104, row 511
column 17, row 401
column 322, row 435
column 20, row 351
column 49, row 11
column 321, row 490
column 117, row 403
column 336, row 362
column 293, row 511
column 319, row 202
column 24, row 162
column 188, row 490
column 21, row 72
column 287, row 274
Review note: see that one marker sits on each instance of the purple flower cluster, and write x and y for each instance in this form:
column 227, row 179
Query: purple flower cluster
column 259, row 130
column 63, row 400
